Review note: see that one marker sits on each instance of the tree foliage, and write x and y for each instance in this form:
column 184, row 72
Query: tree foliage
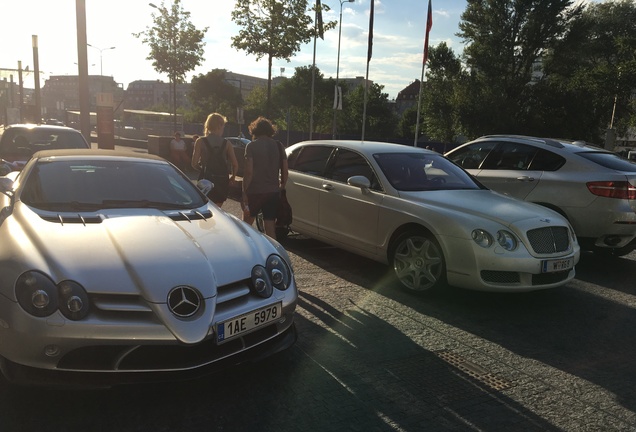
column 274, row 29
column 212, row 93
column 176, row 45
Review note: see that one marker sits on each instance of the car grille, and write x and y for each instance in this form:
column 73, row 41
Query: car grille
column 549, row 278
column 168, row 356
column 500, row 277
column 549, row 240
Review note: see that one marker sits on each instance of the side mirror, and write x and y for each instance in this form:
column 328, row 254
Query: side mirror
column 6, row 185
column 359, row 181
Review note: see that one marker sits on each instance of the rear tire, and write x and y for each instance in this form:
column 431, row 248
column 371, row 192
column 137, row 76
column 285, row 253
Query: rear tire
column 418, row 262
column 281, row 231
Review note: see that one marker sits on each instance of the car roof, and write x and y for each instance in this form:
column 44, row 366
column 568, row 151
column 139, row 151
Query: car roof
column 96, row 154
column 570, row 146
column 38, row 126
column 368, row 147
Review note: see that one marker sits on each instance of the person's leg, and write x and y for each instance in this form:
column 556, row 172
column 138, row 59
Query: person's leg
column 270, row 228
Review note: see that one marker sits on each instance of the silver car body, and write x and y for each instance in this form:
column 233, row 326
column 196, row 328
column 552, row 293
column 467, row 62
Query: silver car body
column 138, row 263
column 556, row 174
column 367, row 218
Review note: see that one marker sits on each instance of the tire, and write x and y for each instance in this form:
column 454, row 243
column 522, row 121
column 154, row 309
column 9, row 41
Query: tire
column 613, row 252
column 418, row 262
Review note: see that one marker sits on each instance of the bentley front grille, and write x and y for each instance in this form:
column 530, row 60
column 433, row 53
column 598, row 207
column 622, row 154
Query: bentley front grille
column 549, row 240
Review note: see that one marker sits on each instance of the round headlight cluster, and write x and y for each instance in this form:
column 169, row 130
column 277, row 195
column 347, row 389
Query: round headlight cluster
column 505, row 239
column 275, row 274
column 40, row 297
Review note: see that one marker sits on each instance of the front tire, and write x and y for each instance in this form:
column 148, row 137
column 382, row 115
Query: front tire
column 418, row 262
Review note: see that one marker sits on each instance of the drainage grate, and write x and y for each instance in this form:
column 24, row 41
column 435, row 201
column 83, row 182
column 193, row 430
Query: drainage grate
column 473, row 370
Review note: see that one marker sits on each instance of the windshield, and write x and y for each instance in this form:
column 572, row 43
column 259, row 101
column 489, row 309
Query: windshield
column 423, row 172
column 92, row 185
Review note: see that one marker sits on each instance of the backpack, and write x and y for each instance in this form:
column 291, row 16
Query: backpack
column 215, row 162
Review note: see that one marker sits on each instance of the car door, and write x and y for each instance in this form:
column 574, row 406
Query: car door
column 307, row 166
column 508, row 170
column 349, row 214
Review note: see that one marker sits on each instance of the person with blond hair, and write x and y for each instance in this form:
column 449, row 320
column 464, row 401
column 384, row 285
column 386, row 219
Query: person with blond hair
column 213, row 156
column 265, row 175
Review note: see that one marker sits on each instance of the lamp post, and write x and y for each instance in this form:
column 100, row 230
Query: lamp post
column 336, row 93
column 101, row 50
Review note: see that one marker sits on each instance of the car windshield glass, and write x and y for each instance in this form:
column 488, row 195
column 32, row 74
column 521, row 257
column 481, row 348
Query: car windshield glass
column 92, row 185
column 27, row 141
column 423, row 172
column 610, row 160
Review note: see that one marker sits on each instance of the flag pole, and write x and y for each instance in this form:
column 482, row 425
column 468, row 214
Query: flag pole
column 429, row 24
column 366, row 80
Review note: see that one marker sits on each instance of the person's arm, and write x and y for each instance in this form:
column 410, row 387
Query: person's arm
column 196, row 155
column 248, row 172
column 232, row 158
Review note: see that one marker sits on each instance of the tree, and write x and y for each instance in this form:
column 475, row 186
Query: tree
column 381, row 121
column 505, row 38
column 292, row 95
column 212, row 93
column 593, row 67
column 273, row 29
column 176, row 46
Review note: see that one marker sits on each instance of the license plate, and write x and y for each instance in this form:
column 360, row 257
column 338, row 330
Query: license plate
column 550, row 266
column 237, row 326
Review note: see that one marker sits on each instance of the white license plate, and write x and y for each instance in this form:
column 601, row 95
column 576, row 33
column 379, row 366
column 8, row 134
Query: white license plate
column 550, row 266
column 237, row 326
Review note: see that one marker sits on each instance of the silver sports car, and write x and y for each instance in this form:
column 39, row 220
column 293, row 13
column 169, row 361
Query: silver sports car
column 116, row 268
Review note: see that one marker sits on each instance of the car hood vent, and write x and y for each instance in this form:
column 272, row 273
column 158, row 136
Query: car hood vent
column 96, row 219
column 189, row 216
column 73, row 219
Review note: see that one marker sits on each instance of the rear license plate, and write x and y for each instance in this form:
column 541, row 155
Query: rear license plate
column 237, row 326
column 551, row 266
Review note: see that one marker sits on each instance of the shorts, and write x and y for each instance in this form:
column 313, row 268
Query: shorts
column 264, row 202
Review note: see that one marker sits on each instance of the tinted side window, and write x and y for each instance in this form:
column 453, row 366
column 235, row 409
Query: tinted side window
column 610, row 160
column 348, row 164
column 472, row 156
column 311, row 159
column 511, row 156
column 546, row 161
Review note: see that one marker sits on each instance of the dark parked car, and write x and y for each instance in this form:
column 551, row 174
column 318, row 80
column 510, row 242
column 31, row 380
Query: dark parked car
column 20, row 141
column 239, row 144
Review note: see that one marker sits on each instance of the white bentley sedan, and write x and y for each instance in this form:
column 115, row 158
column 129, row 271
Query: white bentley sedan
column 426, row 217
column 116, row 268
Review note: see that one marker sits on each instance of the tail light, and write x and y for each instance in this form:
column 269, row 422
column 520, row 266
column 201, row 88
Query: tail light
column 613, row 189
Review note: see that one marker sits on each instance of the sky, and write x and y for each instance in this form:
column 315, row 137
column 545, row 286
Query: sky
column 398, row 39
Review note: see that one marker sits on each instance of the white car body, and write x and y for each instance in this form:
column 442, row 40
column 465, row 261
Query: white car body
column 367, row 218
column 130, row 260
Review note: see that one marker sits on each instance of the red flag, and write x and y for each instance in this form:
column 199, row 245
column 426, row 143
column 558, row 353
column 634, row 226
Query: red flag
column 370, row 33
column 429, row 24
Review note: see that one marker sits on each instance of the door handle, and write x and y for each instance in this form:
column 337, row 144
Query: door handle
column 327, row 186
column 525, row 178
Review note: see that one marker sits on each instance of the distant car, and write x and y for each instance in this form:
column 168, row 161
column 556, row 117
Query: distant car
column 54, row 122
column 426, row 217
column 116, row 268
column 239, row 144
column 20, row 141
column 593, row 188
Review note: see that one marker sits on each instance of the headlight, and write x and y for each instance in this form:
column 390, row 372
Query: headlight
column 261, row 282
column 275, row 274
column 279, row 272
column 482, row 238
column 507, row 240
column 73, row 300
column 38, row 295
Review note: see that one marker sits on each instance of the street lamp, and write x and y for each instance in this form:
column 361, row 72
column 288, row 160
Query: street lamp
column 101, row 50
column 336, row 95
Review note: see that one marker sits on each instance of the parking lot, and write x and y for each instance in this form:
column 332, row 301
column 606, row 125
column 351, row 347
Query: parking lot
column 374, row 358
